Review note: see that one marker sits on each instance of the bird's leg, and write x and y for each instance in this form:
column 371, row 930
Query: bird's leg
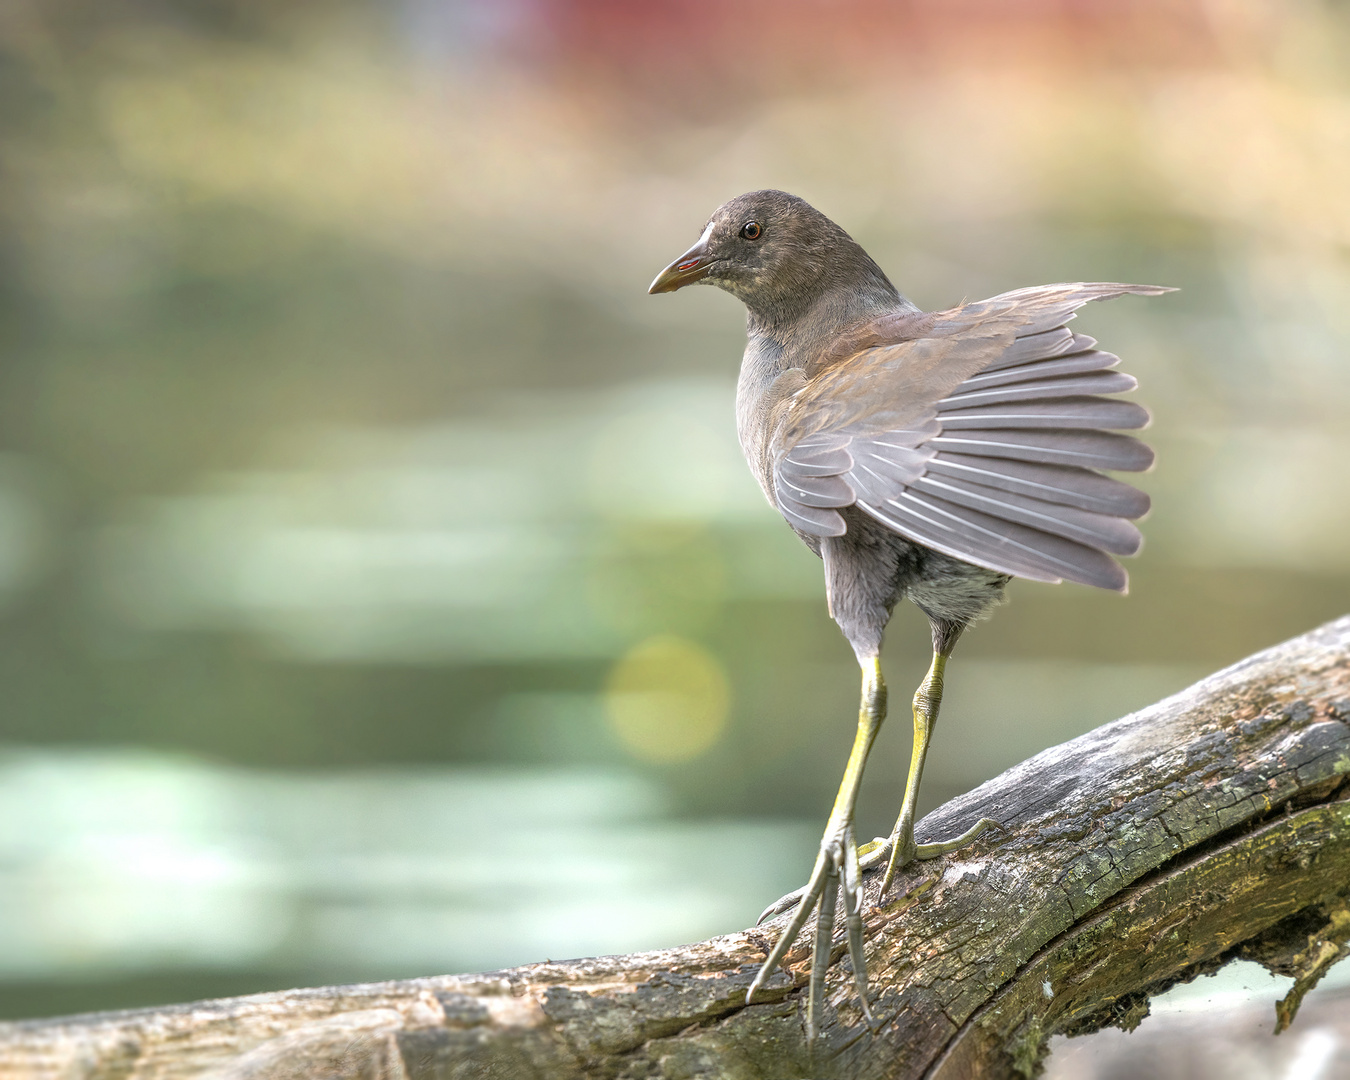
column 901, row 846
column 838, row 858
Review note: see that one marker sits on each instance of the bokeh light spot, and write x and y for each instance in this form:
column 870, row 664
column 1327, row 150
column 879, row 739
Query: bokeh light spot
column 667, row 700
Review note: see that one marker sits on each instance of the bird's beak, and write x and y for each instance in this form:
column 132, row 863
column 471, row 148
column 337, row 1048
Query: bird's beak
column 690, row 267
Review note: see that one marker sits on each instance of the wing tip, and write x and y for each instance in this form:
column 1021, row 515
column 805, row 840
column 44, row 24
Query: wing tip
column 823, row 523
column 1116, row 580
column 1112, row 289
column 1119, row 581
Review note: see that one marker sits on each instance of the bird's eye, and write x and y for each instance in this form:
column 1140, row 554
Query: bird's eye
column 751, row 230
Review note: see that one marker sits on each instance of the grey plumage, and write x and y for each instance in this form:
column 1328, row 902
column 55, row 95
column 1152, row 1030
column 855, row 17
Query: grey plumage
column 979, row 432
column 1083, row 488
column 931, row 456
column 1037, row 389
column 1046, row 412
column 1089, row 449
column 852, row 397
column 1049, row 388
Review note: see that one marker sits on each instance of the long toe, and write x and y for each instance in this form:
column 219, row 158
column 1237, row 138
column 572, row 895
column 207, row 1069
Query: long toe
column 782, row 904
column 810, row 900
column 874, row 853
column 852, row 893
column 823, row 947
column 942, row 847
column 837, row 875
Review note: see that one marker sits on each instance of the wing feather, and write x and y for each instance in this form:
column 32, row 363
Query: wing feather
column 1090, row 449
column 812, row 520
column 1067, row 412
column 1113, row 534
column 822, row 491
column 1074, row 364
column 977, row 432
column 823, row 454
column 1083, row 488
column 1005, row 546
column 1096, row 382
column 1046, row 345
column 1052, row 306
column 880, row 467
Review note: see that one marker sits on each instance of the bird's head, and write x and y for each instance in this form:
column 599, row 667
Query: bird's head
column 774, row 252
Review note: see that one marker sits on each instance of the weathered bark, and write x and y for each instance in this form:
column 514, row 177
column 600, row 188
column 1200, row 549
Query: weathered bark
column 1212, row 825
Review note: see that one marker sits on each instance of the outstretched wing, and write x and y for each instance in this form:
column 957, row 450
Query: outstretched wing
column 981, row 435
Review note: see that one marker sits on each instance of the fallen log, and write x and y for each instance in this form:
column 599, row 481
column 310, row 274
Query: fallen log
column 1210, row 826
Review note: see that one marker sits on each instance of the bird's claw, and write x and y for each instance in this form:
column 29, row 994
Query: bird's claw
column 782, row 904
column 836, row 872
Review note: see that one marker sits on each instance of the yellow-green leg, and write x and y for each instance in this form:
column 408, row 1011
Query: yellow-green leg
column 836, row 863
column 901, row 846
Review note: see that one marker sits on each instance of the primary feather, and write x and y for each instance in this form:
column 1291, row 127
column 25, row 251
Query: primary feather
column 981, row 436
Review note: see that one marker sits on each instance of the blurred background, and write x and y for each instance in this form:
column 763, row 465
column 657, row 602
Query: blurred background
column 382, row 591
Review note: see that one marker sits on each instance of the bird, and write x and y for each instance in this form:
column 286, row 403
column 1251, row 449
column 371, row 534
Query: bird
column 928, row 456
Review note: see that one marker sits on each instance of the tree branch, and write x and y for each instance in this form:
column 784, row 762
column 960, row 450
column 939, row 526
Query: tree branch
column 1212, row 825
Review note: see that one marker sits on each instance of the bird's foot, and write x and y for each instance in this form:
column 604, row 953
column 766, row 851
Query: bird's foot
column 836, row 871
column 870, row 855
column 899, row 849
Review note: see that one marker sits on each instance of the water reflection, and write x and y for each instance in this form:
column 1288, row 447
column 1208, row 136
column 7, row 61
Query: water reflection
column 131, row 861
column 528, row 533
column 127, row 861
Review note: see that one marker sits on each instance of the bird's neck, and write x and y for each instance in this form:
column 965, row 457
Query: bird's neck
column 804, row 329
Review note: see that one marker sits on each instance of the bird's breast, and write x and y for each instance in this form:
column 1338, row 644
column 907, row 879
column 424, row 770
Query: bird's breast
column 755, row 399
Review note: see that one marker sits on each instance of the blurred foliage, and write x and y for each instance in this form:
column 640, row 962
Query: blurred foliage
column 338, row 429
